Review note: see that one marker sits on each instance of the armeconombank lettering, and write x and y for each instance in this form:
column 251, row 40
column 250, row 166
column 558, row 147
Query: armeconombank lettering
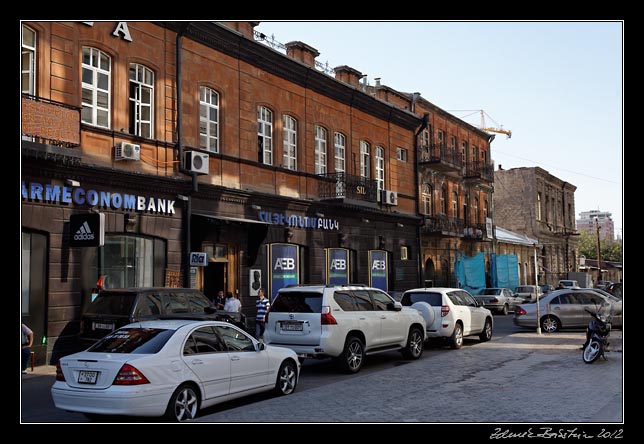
column 106, row 199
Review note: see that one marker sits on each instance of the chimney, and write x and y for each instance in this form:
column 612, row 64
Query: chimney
column 244, row 28
column 302, row 52
column 377, row 80
column 348, row 75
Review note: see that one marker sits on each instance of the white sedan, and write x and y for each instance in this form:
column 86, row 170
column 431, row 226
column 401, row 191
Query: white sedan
column 170, row 368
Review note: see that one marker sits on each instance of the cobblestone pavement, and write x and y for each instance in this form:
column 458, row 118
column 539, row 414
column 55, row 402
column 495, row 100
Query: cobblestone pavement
column 522, row 378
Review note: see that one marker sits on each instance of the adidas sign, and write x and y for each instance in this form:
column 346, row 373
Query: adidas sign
column 84, row 233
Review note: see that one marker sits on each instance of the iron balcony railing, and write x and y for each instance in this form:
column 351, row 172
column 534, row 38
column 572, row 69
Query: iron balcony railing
column 443, row 224
column 439, row 154
column 476, row 170
column 347, row 186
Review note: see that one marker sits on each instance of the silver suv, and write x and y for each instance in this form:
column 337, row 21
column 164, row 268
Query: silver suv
column 343, row 322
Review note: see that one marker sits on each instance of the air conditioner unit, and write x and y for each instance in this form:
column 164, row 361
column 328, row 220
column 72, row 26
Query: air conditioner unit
column 127, row 151
column 196, row 162
column 389, row 197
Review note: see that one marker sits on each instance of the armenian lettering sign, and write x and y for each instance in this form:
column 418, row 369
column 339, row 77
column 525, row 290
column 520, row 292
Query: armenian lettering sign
column 378, row 269
column 337, row 266
column 284, row 264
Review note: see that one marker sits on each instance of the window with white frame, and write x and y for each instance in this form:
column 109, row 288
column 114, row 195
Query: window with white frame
column 209, row 119
column 320, row 150
column 365, row 159
column 96, row 87
column 340, row 150
column 289, row 136
column 401, row 154
column 28, row 68
column 380, row 167
column 265, row 135
column 141, row 101
column 426, row 199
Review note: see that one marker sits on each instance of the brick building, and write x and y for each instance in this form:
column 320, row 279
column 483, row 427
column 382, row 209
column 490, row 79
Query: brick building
column 534, row 203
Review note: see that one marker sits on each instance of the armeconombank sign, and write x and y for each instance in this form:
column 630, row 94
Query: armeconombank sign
column 105, row 199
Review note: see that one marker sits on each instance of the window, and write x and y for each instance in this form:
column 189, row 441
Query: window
column 132, row 261
column 464, row 152
column 486, row 209
column 362, row 300
column 344, row 300
column 424, row 145
column 475, row 156
column 404, row 252
column 26, row 271
column 452, row 144
column 475, row 210
column 339, row 143
column 96, row 85
column 426, row 199
column 365, row 159
column 204, row 340
column 483, row 158
column 380, row 300
column 443, row 199
column 141, row 101
column 401, row 154
column 466, row 202
column 539, row 206
column 454, row 204
column 134, row 340
column 265, row 135
column 380, row 168
column 289, row 143
column 209, row 119
column 234, row 339
column 28, row 67
column 320, row 150
column 441, row 139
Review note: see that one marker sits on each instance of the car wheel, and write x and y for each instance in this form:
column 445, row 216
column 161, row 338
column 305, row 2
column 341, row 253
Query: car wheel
column 486, row 334
column 504, row 311
column 183, row 404
column 286, row 378
column 456, row 340
column 415, row 344
column 352, row 356
column 550, row 324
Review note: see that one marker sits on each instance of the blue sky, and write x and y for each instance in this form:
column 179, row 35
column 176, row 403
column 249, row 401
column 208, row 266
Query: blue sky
column 558, row 86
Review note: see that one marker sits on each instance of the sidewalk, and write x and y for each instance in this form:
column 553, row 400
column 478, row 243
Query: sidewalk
column 39, row 371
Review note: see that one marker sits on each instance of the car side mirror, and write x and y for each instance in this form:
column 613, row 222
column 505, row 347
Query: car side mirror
column 397, row 306
column 261, row 346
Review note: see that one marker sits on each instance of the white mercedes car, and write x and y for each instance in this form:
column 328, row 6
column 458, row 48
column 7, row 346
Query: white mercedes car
column 170, row 369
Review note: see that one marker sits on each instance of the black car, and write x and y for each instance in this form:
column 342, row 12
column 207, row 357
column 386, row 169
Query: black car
column 115, row 308
column 615, row 289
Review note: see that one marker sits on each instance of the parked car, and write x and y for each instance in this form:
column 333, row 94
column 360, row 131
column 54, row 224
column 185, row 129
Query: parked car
column 501, row 300
column 528, row 293
column 450, row 313
column 602, row 285
column 615, row 289
column 566, row 309
column 547, row 288
column 117, row 307
column 170, row 368
column 568, row 283
column 343, row 322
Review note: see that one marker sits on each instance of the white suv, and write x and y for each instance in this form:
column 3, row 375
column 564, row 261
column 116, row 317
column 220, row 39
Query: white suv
column 450, row 313
column 343, row 322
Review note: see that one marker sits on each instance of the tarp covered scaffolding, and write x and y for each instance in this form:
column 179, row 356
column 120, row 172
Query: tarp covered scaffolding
column 470, row 271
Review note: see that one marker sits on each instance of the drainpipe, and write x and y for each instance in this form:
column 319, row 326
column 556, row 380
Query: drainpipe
column 183, row 27
column 423, row 125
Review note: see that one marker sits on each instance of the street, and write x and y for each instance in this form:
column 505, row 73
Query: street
column 443, row 386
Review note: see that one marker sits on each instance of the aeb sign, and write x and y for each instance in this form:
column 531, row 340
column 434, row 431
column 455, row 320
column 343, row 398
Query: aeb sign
column 337, row 268
column 198, row 259
column 87, row 230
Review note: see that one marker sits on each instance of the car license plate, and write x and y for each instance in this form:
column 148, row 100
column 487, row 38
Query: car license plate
column 87, row 377
column 291, row 326
column 100, row 326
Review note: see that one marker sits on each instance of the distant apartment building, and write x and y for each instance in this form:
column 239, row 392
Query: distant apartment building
column 588, row 221
column 534, row 203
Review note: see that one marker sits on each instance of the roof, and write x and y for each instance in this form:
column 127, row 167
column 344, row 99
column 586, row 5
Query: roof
column 510, row 237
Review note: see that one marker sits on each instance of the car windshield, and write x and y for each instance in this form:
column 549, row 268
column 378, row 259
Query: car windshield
column 112, row 303
column 297, row 302
column 432, row 298
column 490, row 291
column 133, row 340
column 524, row 289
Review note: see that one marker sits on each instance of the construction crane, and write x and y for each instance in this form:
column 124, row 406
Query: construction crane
column 496, row 129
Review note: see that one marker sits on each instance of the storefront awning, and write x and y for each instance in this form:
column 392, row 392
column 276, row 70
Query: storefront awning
column 231, row 219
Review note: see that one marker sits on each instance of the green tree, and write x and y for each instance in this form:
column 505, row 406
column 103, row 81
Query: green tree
column 611, row 251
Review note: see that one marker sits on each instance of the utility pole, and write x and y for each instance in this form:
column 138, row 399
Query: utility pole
column 599, row 252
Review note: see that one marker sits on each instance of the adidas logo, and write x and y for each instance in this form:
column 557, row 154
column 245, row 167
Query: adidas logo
column 84, row 233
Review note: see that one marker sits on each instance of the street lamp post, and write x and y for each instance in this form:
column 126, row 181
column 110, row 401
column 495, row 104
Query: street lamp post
column 599, row 252
column 536, row 283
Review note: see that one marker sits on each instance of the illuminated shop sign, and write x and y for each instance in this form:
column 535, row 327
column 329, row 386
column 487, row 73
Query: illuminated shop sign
column 106, row 199
column 337, row 266
column 293, row 220
column 378, row 269
column 284, row 267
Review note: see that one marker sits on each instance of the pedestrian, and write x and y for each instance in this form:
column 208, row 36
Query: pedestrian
column 27, row 342
column 220, row 300
column 232, row 303
column 262, row 305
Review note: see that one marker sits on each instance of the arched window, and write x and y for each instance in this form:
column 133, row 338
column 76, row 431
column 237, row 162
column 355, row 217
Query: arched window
column 466, row 202
column 320, row 150
column 289, row 134
column 454, row 204
column 96, row 87
column 141, row 101
column 426, row 198
column 209, row 119
column 264, row 135
column 475, row 210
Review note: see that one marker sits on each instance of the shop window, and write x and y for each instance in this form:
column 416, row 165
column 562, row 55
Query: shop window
column 131, row 261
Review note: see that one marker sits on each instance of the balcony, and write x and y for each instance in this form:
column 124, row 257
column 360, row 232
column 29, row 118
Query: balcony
column 474, row 232
column 443, row 225
column 348, row 188
column 441, row 158
column 478, row 173
column 50, row 129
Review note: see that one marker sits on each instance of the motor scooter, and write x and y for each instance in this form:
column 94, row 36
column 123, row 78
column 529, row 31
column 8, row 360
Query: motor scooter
column 597, row 335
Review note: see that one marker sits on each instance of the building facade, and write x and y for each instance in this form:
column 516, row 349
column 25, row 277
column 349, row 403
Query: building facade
column 589, row 220
column 192, row 137
column 534, row 203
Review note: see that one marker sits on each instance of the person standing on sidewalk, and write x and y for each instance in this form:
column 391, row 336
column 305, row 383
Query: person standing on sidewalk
column 27, row 342
column 262, row 305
